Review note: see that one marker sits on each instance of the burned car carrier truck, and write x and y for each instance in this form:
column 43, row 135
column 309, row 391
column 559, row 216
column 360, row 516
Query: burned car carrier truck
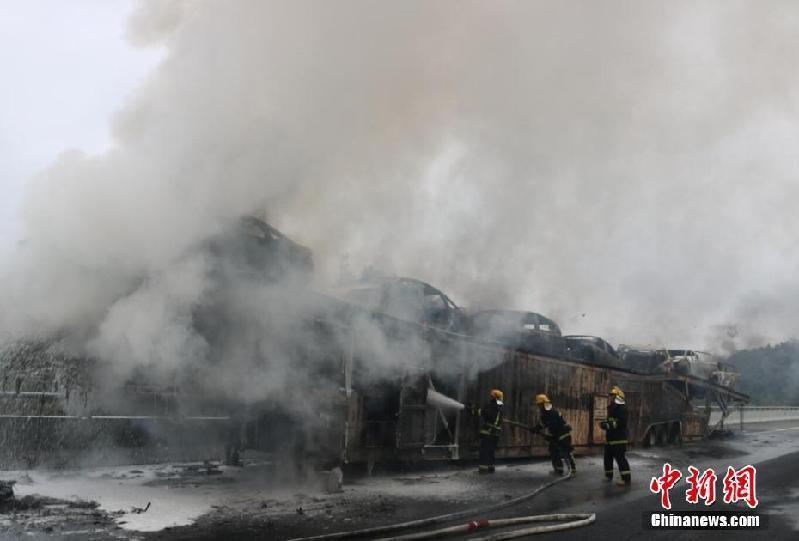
column 394, row 361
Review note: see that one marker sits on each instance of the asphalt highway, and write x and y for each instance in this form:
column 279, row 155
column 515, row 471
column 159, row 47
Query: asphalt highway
column 392, row 497
column 772, row 448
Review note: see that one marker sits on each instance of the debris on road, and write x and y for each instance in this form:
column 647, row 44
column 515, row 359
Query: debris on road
column 6, row 491
column 140, row 510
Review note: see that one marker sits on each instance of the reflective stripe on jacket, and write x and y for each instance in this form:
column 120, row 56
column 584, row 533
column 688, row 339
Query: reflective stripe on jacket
column 617, row 424
column 492, row 419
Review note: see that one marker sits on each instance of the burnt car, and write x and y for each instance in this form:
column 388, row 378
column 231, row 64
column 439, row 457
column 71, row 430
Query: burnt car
column 646, row 360
column 524, row 331
column 692, row 362
column 407, row 299
column 253, row 249
column 591, row 349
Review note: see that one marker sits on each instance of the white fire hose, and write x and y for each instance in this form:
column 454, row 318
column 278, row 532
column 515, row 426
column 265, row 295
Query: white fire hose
column 575, row 520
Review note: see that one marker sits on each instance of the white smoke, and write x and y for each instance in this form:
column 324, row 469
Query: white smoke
column 625, row 168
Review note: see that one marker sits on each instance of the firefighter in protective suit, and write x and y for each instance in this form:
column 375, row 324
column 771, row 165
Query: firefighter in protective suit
column 558, row 434
column 616, row 438
column 490, row 429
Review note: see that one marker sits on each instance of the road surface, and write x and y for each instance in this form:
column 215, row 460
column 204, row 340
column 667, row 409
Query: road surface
column 264, row 503
column 389, row 498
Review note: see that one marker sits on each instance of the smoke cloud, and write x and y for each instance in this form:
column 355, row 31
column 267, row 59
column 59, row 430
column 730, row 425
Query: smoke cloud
column 625, row 168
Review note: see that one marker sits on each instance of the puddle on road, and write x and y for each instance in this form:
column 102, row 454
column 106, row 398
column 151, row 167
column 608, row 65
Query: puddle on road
column 117, row 489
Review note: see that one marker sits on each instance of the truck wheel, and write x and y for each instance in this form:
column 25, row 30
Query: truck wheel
column 662, row 434
column 650, row 440
column 675, row 437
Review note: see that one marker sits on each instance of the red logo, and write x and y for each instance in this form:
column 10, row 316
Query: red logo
column 738, row 485
column 703, row 487
column 664, row 483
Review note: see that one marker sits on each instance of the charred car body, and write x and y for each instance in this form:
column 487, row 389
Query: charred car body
column 407, row 299
column 645, row 360
column 523, row 331
column 703, row 365
column 591, row 349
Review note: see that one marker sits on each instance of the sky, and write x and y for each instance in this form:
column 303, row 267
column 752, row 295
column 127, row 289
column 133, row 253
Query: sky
column 66, row 67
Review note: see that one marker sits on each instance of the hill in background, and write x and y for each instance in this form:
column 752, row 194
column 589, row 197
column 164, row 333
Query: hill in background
column 770, row 375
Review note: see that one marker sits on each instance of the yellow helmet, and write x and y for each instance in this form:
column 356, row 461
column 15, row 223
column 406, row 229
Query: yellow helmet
column 542, row 399
column 497, row 394
column 615, row 391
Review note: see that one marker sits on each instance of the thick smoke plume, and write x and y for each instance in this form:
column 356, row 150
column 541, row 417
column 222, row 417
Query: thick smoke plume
column 626, row 168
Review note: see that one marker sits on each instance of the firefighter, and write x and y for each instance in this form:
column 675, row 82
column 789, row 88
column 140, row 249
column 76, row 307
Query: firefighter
column 558, row 433
column 490, row 428
column 616, row 438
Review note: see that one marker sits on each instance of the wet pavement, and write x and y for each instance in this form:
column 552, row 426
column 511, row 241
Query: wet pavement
column 773, row 448
column 253, row 503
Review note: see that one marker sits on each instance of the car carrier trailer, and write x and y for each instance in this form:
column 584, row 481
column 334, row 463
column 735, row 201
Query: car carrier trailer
column 396, row 422
column 369, row 382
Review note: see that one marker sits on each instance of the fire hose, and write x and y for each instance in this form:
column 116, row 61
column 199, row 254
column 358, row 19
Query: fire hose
column 576, row 520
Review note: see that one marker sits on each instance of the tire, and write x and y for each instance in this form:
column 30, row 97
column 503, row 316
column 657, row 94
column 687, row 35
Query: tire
column 662, row 434
column 675, row 435
column 650, row 440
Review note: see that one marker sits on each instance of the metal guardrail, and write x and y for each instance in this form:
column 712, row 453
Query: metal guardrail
column 755, row 414
column 764, row 408
column 122, row 417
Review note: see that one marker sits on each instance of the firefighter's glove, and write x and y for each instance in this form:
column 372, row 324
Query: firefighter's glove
column 603, row 425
